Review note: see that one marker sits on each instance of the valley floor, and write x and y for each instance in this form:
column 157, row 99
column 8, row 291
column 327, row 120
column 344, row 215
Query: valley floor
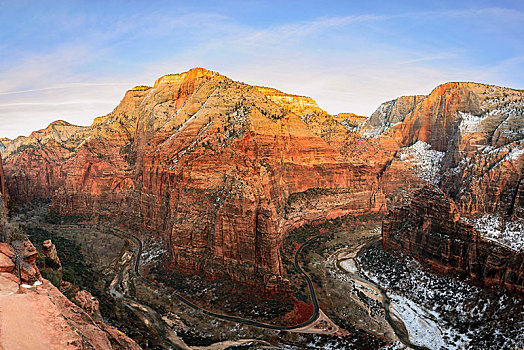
column 441, row 312
column 369, row 294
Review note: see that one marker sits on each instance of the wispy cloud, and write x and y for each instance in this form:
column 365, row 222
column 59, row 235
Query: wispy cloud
column 346, row 62
column 63, row 86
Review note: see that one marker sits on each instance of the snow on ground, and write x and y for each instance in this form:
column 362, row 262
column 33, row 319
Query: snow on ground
column 509, row 234
column 469, row 123
column 515, row 153
column 423, row 325
column 349, row 265
column 152, row 252
column 421, row 328
column 467, row 317
column 424, row 160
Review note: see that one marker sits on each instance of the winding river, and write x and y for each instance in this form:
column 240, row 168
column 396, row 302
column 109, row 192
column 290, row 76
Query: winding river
column 350, row 266
column 136, row 268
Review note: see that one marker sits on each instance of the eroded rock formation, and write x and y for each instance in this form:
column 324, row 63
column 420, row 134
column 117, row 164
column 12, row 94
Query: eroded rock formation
column 50, row 255
column 211, row 164
column 431, row 229
column 27, row 253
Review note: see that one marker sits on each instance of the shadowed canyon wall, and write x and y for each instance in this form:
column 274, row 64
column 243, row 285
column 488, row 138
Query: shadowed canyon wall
column 221, row 171
column 431, row 230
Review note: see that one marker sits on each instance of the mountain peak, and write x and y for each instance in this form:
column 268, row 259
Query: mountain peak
column 192, row 73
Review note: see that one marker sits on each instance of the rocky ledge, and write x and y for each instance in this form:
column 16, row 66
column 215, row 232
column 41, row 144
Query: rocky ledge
column 431, row 230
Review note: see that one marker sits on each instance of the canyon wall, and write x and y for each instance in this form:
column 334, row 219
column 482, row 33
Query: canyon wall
column 3, row 201
column 431, row 230
column 214, row 168
column 221, row 171
column 469, row 141
column 3, row 186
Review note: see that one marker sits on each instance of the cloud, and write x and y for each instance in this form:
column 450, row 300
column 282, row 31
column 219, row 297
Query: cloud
column 347, row 63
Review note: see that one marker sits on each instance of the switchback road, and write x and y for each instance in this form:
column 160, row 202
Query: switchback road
column 314, row 301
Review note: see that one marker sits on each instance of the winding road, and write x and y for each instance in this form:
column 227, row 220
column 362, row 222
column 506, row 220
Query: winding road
column 316, row 310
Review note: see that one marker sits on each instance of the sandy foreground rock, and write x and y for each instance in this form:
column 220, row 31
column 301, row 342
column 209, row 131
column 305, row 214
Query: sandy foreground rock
column 43, row 318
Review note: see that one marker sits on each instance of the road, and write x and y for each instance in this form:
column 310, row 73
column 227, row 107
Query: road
column 314, row 300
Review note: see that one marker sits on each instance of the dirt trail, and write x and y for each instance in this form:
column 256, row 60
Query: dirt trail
column 30, row 320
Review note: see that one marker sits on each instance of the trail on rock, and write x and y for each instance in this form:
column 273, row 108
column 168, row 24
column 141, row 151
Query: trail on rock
column 30, row 321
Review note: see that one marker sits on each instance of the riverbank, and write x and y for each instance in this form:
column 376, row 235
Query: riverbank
column 443, row 312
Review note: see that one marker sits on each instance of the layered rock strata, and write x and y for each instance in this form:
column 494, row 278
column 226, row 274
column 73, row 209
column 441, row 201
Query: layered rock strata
column 3, row 203
column 431, row 229
column 467, row 138
column 3, row 188
column 214, row 166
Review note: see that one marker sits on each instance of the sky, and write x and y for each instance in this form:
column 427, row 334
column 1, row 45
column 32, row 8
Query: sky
column 74, row 60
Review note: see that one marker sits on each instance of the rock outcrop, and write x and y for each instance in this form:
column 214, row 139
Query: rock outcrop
column 211, row 164
column 51, row 259
column 431, row 229
column 7, row 255
column 27, row 253
column 42, row 317
column 88, row 303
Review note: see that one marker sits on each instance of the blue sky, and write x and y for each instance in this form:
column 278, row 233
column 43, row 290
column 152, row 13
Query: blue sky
column 74, row 60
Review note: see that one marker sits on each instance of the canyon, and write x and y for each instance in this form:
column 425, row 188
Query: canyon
column 35, row 314
column 221, row 176
column 215, row 168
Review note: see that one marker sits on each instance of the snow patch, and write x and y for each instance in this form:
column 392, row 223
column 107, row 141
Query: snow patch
column 421, row 328
column 424, row 326
column 424, row 160
column 510, row 234
column 469, row 123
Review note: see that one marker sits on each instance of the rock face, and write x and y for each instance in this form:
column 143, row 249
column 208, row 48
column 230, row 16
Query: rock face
column 3, row 187
column 6, row 257
column 3, row 201
column 28, row 255
column 88, row 303
column 45, row 318
column 51, row 257
column 431, row 230
column 467, row 139
column 479, row 130
column 212, row 165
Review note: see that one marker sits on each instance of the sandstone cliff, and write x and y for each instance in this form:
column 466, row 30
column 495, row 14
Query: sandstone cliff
column 3, row 202
column 3, row 186
column 431, row 229
column 210, row 164
column 466, row 138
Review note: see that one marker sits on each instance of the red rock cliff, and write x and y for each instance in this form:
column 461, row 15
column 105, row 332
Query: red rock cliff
column 431, row 230
column 209, row 164
column 3, row 186
column 467, row 138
